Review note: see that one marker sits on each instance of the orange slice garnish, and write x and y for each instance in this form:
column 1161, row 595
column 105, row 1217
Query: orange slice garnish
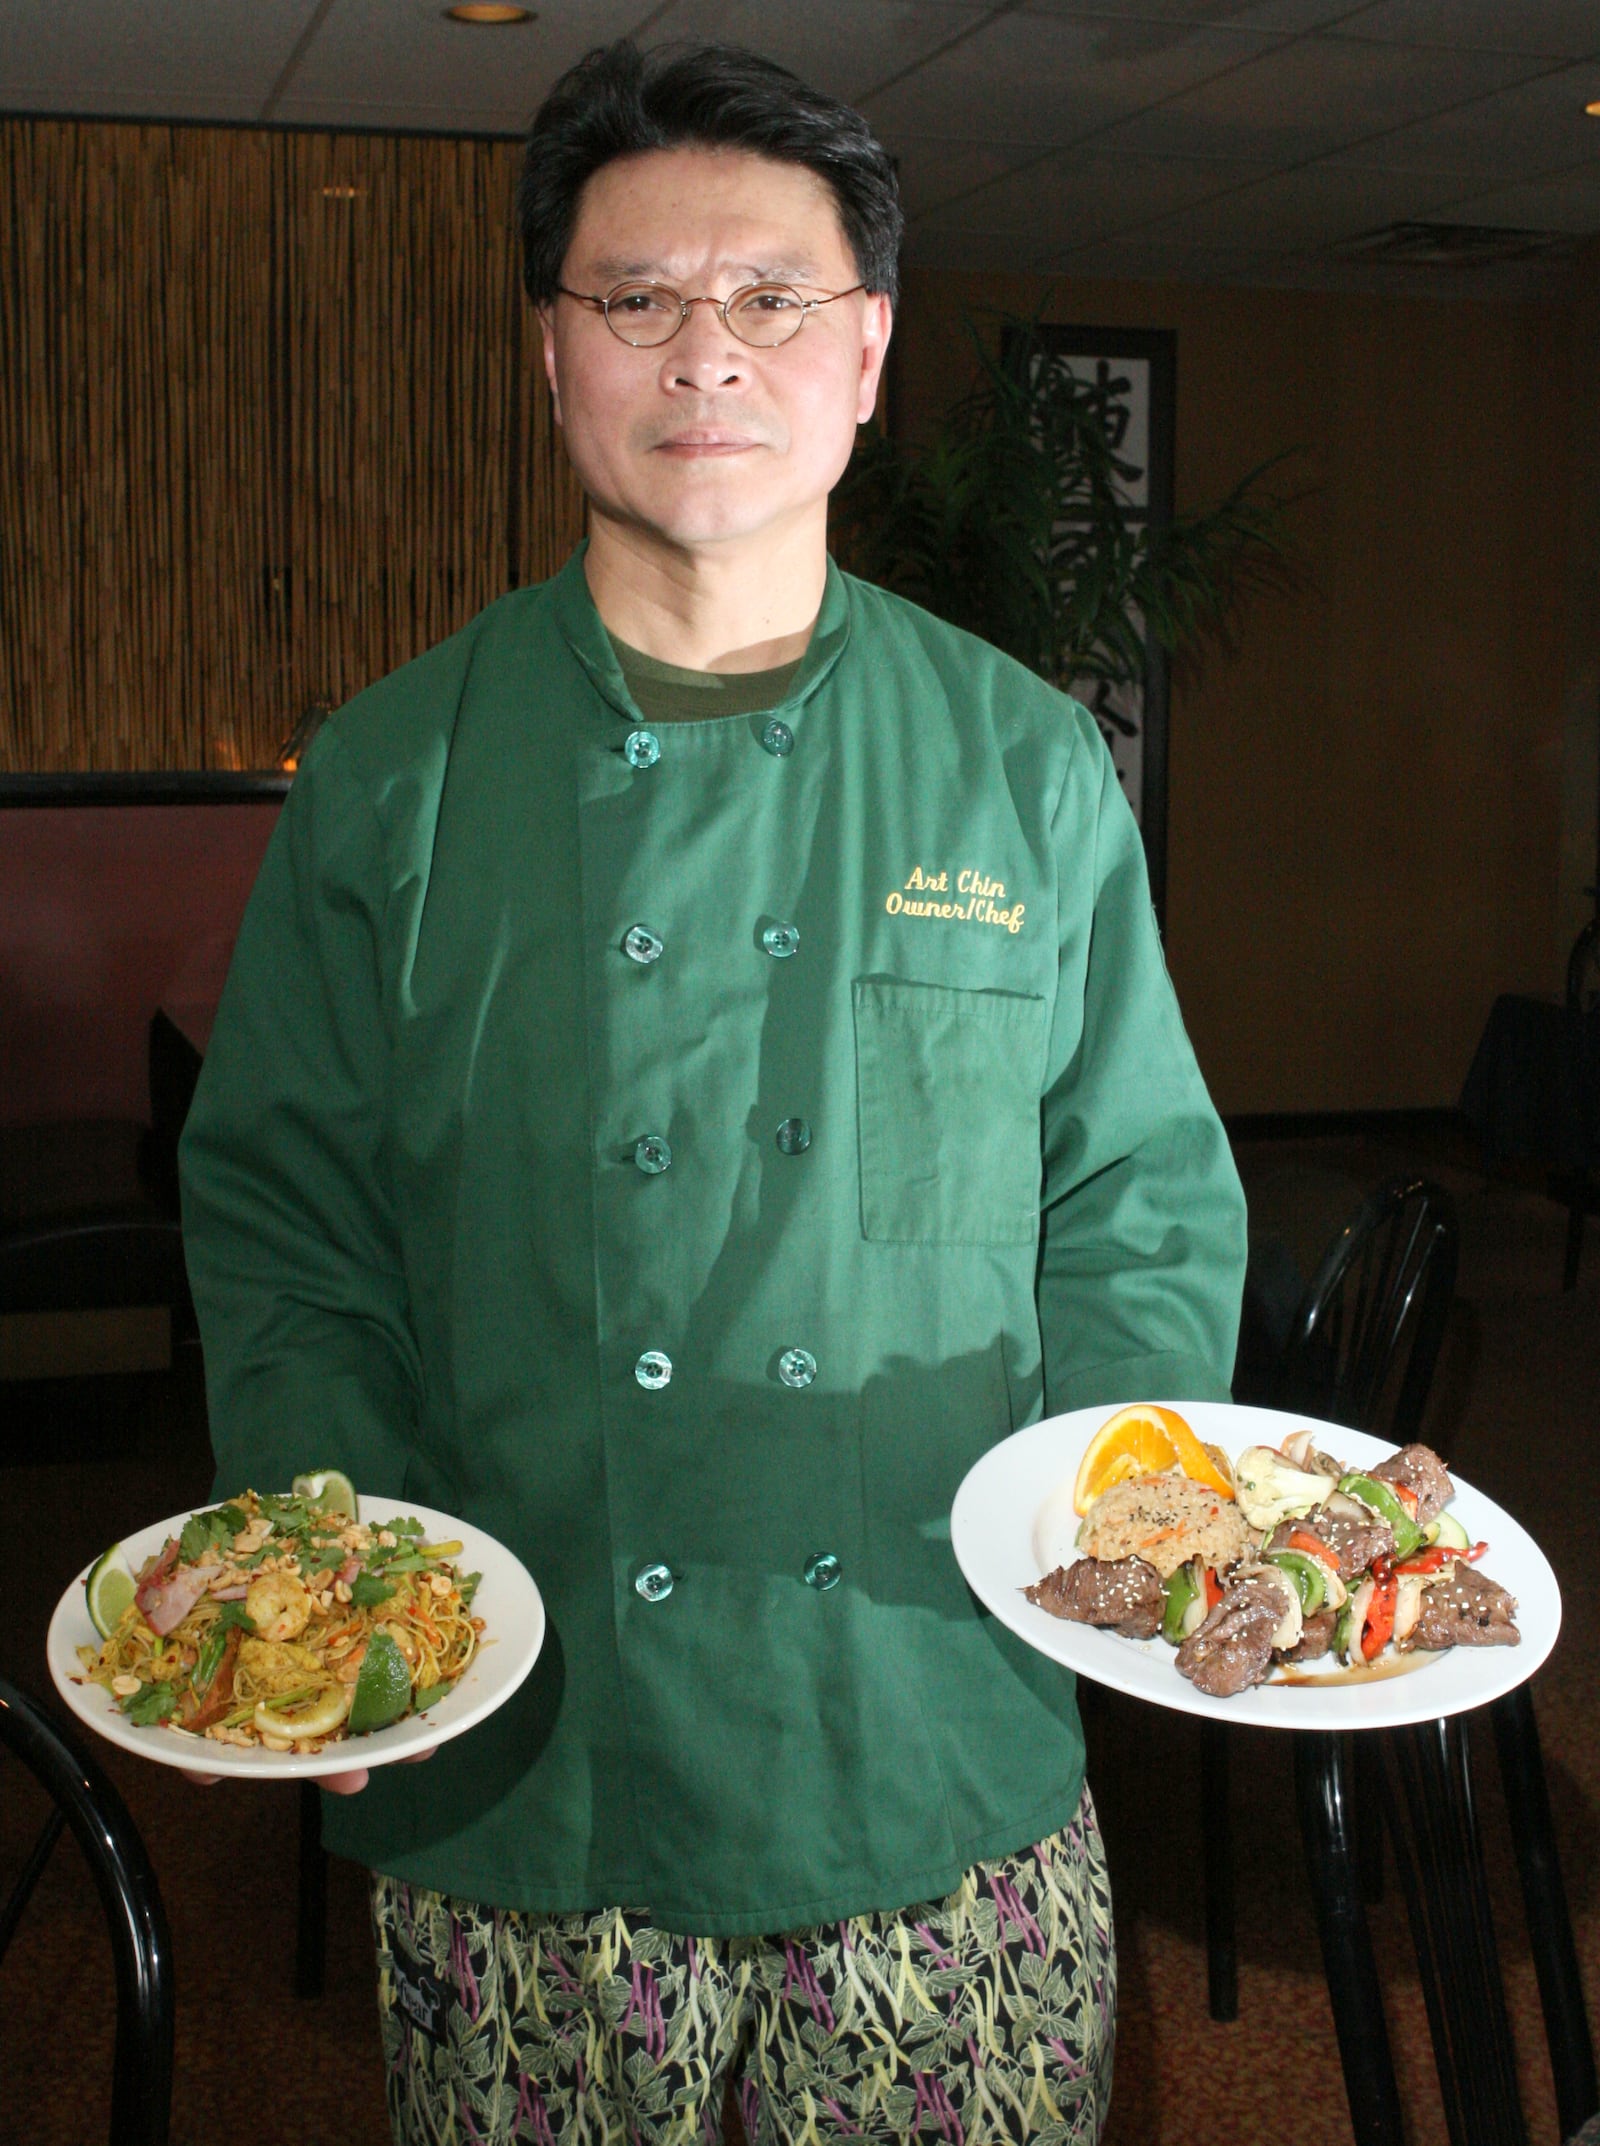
column 1146, row 1440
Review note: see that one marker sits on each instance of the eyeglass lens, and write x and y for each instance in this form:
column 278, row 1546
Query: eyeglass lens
column 763, row 314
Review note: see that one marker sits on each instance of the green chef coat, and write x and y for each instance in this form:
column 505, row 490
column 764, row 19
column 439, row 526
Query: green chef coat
column 682, row 1154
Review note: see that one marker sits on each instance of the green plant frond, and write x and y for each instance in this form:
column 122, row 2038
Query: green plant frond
column 1012, row 522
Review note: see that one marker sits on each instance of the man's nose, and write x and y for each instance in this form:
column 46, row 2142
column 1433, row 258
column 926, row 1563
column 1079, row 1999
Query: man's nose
column 705, row 352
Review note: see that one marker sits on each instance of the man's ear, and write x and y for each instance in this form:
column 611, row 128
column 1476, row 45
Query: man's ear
column 877, row 325
column 547, row 335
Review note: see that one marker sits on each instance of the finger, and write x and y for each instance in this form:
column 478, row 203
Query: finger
column 200, row 1780
column 344, row 1784
column 417, row 1757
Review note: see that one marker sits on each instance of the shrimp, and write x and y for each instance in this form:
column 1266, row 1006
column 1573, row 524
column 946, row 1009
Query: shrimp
column 278, row 1605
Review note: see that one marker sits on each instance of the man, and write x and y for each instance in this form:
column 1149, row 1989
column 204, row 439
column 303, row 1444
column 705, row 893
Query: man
column 698, row 1069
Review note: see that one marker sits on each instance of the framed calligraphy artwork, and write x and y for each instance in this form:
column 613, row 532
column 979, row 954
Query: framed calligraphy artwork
column 1136, row 371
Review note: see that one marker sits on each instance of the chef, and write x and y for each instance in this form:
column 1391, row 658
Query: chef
column 698, row 1070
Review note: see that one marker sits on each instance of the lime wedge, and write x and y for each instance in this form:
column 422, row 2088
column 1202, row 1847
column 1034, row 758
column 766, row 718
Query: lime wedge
column 110, row 1588
column 329, row 1491
column 383, row 1686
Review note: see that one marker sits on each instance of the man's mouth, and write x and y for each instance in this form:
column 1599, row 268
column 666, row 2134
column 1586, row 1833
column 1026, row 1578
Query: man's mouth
column 704, row 440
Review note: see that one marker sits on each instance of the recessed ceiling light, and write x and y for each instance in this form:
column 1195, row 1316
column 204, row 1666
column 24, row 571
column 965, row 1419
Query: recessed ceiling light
column 1593, row 110
column 488, row 12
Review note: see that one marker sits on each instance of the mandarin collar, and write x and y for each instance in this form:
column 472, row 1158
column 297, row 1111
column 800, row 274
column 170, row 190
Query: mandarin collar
column 584, row 632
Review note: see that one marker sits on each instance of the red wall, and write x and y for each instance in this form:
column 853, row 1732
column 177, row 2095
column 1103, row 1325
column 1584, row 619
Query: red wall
column 106, row 913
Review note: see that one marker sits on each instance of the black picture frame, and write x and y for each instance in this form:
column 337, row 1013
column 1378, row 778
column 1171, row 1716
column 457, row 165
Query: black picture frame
column 1157, row 350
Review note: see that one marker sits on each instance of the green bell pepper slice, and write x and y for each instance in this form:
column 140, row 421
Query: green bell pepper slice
column 1380, row 1499
column 1309, row 1575
column 1182, row 1589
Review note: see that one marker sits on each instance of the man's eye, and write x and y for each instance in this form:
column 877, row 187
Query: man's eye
column 772, row 299
column 635, row 304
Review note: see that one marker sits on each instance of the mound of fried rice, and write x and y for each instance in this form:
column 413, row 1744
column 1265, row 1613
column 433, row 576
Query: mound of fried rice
column 1166, row 1520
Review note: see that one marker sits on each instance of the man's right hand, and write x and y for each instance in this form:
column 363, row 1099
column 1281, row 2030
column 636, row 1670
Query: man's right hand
column 337, row 1784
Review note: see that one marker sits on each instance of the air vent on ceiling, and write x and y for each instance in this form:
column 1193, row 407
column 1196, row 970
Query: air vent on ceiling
column 1422, row 245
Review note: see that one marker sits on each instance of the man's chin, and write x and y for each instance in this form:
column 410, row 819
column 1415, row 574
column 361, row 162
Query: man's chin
column 692, row 525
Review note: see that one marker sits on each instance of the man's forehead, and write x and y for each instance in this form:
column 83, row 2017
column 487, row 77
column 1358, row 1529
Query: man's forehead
column 721, row 210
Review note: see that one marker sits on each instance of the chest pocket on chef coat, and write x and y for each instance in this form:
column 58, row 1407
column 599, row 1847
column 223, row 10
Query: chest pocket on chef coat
column 948, row 1096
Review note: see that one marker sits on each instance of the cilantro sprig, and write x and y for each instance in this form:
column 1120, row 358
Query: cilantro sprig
column 150, row 1704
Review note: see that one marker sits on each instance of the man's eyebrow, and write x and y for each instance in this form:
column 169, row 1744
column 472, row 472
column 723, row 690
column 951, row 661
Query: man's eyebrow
column 791, row 269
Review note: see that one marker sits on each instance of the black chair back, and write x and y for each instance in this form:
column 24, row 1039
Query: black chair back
column 1366, row 1337
column 84, row 1800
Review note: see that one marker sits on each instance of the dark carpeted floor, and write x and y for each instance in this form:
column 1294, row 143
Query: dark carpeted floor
column 1515, row 1407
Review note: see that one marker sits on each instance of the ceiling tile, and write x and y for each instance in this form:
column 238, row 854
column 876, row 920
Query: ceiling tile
column 1319, row 94
column 1075, row 197
column 1528, row 128
column 841, row 46
column 1568, row 203
column 1052, row 79
column 1290, row 16
column 933, row 170
column 1315, row 206
column 1142, row 263
column 404, row 55
column 975, row 251
column 164, row 57
column 1559, row 29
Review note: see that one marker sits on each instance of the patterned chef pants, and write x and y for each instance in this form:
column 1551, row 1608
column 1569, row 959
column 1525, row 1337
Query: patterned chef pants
column 981, row 2018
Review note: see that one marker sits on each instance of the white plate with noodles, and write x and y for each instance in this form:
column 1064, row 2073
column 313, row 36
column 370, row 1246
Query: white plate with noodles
column 1013, row 1520
column 506, row 1599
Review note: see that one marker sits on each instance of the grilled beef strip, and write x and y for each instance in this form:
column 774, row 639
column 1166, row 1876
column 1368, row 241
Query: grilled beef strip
column 1465, row 1609
column 1233, row 1648
column 1124, row 1593
column 1421, row 1470
column 1316, row 1637
column 1355, row 1543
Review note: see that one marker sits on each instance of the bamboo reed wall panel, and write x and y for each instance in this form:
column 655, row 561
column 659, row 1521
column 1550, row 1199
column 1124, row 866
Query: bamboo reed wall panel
column 272, row 420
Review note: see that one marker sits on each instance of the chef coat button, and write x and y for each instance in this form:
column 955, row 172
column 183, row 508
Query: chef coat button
column 780, row 940
column 793, row 1136
column 655, row 1583
column 822, row 1571
column 778, row 738
column 797, row 1367
column 643, row 748
column 653, row 1370
column 652, row 1155
column 641, row 945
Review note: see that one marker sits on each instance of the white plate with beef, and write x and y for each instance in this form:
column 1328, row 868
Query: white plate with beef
column 1013, row 1512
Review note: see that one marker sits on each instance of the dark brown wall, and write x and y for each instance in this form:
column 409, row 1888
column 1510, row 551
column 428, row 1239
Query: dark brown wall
column 1365, row 797
column 108, row 912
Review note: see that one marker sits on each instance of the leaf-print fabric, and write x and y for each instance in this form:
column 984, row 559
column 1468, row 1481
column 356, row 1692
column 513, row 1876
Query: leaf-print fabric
column 984, row 2017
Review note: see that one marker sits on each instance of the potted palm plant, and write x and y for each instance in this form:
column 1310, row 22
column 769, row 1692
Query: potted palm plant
column 1012, row 521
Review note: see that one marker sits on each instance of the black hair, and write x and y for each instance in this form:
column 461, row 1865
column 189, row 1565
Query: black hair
column 620, row 102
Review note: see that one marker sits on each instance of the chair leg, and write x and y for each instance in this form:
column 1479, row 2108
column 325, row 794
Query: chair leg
column 1321, row 1787
column 311, row 1929
column 1440, row 1861
column 1222, row 1960
column 1555, row 1956
column 1367, row 1816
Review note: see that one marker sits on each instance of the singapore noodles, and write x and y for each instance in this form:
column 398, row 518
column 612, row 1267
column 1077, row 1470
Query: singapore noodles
column 273, row 1623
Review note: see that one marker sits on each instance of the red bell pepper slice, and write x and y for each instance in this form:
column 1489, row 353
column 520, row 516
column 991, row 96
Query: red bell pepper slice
column 1379, row 1623
column 1433, row 1559
column 1213, row 1589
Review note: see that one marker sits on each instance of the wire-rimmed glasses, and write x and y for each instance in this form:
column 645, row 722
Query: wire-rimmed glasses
column 760, row 314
